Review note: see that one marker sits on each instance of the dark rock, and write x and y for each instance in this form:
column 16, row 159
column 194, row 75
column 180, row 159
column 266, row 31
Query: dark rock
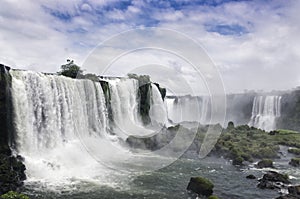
column 162, row 91
column 230, row 125
column 295, row 162
column 107, row 96
column 12, row 173
column 273, row 132
column 294, row 190
column 251, row 177
column 238, row 161
column 294, row 193
column 273, row 180
column 276, row 177
column 265, row 163
column 201, row 186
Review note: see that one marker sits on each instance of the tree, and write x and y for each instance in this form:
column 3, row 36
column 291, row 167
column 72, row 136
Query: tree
column 70, row 69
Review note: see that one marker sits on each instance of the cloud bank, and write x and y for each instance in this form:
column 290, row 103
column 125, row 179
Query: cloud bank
column 255, row 44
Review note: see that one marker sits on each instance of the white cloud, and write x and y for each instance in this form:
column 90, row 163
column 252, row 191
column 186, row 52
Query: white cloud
column 266, row 56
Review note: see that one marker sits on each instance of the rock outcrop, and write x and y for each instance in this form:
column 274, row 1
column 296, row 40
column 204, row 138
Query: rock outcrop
column 273, row 180
column 201, row 186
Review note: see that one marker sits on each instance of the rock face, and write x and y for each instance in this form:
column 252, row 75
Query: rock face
column 265, row 163
column 4, row 104
column 273, row 180
column 12, row 169
column 201, row 186
column 107, row 94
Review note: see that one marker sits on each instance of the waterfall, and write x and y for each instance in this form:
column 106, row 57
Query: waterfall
column 52, row 114
column 189, row 109
column 158, row 109
column 125, row 108
column 265, row 111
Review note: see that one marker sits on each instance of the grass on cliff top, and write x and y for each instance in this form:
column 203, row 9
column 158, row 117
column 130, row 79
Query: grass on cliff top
column 244, row 143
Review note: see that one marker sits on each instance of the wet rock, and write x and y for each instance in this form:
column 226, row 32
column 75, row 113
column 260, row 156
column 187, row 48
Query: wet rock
column 251, row 177
column 265, row 163
column 294, row 193
column 294, row 190
column 273, row 180
column 201, row 186
column 295, row 162
column 12, row 172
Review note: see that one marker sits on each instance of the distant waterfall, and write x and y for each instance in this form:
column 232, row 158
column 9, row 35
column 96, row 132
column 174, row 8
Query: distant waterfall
column 189, row 109
column 158, row 109
column 265, row 111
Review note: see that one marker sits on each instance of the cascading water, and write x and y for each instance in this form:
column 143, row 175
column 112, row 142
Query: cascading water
column 189, row 109
column 265, row 111
column 158, row 109
column 125, row 108
column 51, row 115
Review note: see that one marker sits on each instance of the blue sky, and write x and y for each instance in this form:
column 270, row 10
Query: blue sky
column 255, row 44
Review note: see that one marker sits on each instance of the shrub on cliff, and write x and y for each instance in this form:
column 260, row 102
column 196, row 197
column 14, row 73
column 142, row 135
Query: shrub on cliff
column 70, row 69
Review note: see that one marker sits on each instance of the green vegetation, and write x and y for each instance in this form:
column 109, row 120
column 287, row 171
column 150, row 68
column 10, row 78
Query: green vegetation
column 142, row 79
column 13, row 195
column 213, row 197
column 265, row 163
column 244, row 143
column 295, row 162
column 201, row 186
column 294, row 151
column 91, row 76
column 70, row 69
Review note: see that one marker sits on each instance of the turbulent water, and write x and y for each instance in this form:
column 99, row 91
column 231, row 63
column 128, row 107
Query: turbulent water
column 72, row 149
column 63, row 130
column 265, row 111
column 51, row 114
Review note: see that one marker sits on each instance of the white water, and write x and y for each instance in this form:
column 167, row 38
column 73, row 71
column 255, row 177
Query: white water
column 265, row 111
column 125, row 108
column 53, row 114
column 158, row 108
column 189, row 109
column 63, row 130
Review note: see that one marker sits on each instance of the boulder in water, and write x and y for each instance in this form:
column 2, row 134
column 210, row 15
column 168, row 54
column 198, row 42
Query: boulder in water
column 201, row 186
column 251, row 176
column 273, row 180
column 295, row 190
column 295, row 162
column 265, row 163
column 294, row 193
